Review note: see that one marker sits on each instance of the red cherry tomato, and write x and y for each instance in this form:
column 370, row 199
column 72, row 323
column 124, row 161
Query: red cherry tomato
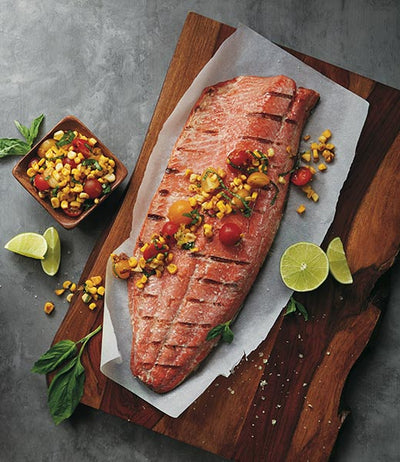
column 230, row 234
column 69, row 161
column 239, row 160
column 151, row 251
column 81, row 146
column 40, row 183
column 301, row 176
column 72, row 212
column 93, row 188
column 168, row 231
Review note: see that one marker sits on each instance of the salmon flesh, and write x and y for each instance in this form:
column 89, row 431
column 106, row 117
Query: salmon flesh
column 172, row 314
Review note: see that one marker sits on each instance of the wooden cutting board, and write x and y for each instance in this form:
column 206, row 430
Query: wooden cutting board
column 282, row 403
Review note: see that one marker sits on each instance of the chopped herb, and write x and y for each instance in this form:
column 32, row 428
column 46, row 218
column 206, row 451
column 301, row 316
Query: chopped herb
column 273, row 200
column 188, row 245
column 106, row 188
column 195, row 216
column 222, row 330
column 92, row 162
column 66, row 138
column 54, row 191
column 294, row 306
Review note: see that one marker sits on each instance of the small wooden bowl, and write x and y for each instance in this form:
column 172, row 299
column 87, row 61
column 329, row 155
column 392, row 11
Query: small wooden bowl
column 19, row 172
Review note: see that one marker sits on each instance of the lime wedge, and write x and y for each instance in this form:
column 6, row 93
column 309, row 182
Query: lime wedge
column 52, row 258
column 338, row 265
column 304, row 266
column 31, row 245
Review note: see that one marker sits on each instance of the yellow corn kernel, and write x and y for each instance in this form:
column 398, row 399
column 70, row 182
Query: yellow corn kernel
column 69, row 297
column 31, row 172
column 64, row 204
column 322, row 139
column 72, row 287
column 314, row 145
column 220, row 215
column 86, row 298
column 322, row 167
column 170, row 257
column 48, row 307
column 301, row 209
column 172, row 268
column 83, row 196
column 142, row 262
column 139, row 285
column 327, row 134
column 101, row 290
column 289, row 149
column 158, row 273
column 192, row 201
column 208, row 230
column 270, row 152
column 330, row 146
column 55, row 202
column 143, row 279
column 328, row 156
column 314, row 196
column 59, row 291
column 41, row 161
column 67, row 284
column 281, row 180
column 75, row 204
column 92, row 141
column 306, row 137
column 97, row 280
column 312, row 169
column 58, row 135
column 92, row 306
column 306, row 156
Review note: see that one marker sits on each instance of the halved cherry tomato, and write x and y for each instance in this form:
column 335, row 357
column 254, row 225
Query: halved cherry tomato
column 179, row 211
column 239, row 160
column 151, row 251
column 230, row 234
column 72, row 212
column 93, row 188
column 67, row 160
column 40, row 183
column 81, row 146
column 301, row 176
column 168, row 231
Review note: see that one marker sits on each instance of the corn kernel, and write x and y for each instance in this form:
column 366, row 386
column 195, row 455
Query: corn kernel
column 306, row 156
column 48, row 307
column 96, row 280
column 72, row 287
column 69, row 297
column 306, row 137
column 92, row 306
column 92, row 141
column 322, row 167
column 172, row 268
column 322, row 139
column 58, row 135
column 301, row 209
column 327, row 133
column 281, row 180
column 31, row 172
column 270, row 152
column 67, row 284
column 59, row 291
column 64, row 204
column 330, row 146
column 314, row 196
column 139, row 285
column 55, row 202
column 101, row 290
column 86, row 298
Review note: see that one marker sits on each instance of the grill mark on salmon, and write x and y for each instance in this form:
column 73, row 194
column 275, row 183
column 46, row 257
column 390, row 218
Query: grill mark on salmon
column 172, row 315
column 155, row 217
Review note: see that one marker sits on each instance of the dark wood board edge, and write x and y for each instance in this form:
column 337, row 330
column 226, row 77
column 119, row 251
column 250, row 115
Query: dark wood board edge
column 95, row 396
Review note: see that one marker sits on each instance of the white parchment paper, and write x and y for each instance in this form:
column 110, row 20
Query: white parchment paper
column 244, row 53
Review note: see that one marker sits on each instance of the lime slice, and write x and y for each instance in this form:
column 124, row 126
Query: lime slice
column 52, row 258
column 338, row 265
column 31, row 245
column 304, row 266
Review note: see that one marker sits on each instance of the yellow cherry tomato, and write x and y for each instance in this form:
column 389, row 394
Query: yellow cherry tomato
column 178, row 212
column 45, row 146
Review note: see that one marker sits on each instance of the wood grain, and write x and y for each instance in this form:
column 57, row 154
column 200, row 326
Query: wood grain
column 282, row 403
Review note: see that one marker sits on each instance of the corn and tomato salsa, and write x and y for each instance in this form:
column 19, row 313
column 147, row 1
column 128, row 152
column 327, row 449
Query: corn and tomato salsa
column 71, row 171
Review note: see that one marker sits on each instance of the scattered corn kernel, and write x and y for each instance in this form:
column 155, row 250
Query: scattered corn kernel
column 96, row 280
column 48, row 307
column 322, row 167
column 301, row 209
column 67, row 284
column 58, row 135
column 306, row 137
column 69, row 297
column 59, row 291
column 281, row 180
column 86, row 298
column 306, row 156
column 92, row 306
column 101, row 290
column 172, row 268
column 327, row 134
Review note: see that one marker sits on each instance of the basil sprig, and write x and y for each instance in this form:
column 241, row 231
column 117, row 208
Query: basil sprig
column 17, row 147
column 222, row 330
column 66, row 388
column 294, row 306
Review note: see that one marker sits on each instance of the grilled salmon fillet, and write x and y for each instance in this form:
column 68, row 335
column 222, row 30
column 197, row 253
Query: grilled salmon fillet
column 172, row 314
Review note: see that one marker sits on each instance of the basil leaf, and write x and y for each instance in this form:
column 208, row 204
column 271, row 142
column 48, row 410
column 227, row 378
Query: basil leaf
column 222, row 330
column 34, row 129
column 66, row 390
column 106, row 188
column 13, row 147
column 55, row 356
column 92, row 162
column 294, row 306
column 23, row 130
column 66, row 138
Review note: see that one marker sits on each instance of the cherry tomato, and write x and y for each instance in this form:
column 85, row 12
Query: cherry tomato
column 69, row 161
column 239, row 160
column 40, row 183
column 178, row 210
column 151, row 251
column 301, row 176
column 93, row 188
column 168, row 231
column 81, row 146
column 230, row 234
column 45, row 146
column 72, row 212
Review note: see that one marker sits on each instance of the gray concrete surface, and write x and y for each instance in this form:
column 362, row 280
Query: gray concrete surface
column 105, row 63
